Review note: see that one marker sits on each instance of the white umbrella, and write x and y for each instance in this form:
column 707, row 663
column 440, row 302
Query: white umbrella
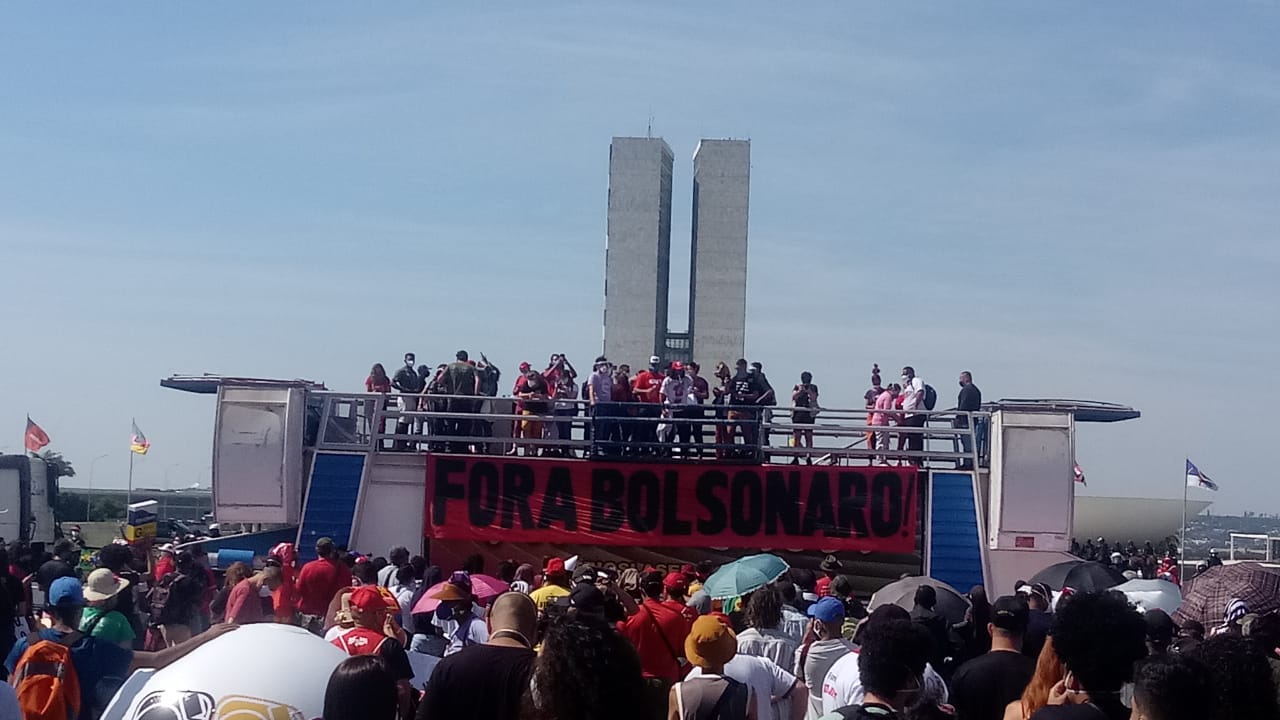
column 1152, row 594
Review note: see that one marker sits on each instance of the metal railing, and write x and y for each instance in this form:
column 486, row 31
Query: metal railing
column 469, row 424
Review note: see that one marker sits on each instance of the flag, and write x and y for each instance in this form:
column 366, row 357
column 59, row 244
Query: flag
column 139, row 442
column 36, row 437
column 1080, row 475
column 1195, row 478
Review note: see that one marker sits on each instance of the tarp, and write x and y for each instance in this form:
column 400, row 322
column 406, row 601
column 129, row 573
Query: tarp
column 528, row 500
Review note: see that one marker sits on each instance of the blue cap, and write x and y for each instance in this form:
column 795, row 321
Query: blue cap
column 828, row 609
column 66, row 592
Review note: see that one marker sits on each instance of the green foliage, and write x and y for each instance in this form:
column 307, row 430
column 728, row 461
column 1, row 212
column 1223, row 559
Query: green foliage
column 71, row 508
column 59, row 467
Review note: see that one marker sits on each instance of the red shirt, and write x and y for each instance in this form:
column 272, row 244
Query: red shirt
column 686, row 612
column 164, row 566
column 647, row 385
column 318, row 581
column 374, row 385
column 823, row 586
column 359, row 641
column 658, row 633
column 244, row 606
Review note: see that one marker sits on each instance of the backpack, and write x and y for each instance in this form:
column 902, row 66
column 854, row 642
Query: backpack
column 45, row 680
column 930, row 397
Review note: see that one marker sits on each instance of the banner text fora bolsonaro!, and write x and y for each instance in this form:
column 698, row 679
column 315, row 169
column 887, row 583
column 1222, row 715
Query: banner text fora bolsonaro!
column 794, row 508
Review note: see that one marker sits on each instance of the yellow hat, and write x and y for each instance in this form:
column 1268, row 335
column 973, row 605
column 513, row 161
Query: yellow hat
column 710, row 643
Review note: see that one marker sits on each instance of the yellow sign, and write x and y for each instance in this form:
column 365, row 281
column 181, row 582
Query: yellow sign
column 134, row 533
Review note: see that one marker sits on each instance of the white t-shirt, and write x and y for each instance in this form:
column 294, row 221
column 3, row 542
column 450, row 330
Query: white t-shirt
column 843, row 684
column 387, row 575
column 913, row 394
column 765, row 679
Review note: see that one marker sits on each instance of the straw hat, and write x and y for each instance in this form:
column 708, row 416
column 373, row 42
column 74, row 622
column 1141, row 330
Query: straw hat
column 103, row 585
column 710, row 643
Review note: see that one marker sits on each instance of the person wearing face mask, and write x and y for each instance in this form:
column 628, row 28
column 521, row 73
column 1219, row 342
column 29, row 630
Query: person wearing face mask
column 912, row 401
column 598, row 391
column 244, row 602
column 490, row 679
column 647, row 386
column 457, row 616
column 409, row 385
column 745, row 390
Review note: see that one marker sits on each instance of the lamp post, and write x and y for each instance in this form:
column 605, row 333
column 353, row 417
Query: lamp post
column 88, row 501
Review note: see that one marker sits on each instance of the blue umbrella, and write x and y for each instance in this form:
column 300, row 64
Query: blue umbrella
column 744, row 575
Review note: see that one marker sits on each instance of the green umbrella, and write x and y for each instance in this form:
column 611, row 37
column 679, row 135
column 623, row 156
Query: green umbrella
column 744, row 575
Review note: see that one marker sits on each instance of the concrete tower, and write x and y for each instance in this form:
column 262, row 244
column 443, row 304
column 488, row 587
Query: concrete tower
column 637, row 250
column 718, row 282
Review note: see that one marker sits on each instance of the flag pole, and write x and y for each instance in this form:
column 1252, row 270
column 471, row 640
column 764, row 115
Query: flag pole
column 1182, row 538
column 128, row 498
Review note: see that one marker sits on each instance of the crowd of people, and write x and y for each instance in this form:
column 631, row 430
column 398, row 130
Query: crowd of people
column 574, row 641
column 1147, row 562
column 666, row 409
column 568, row 640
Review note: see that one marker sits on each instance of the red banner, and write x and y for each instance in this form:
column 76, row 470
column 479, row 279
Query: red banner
column 691, row 505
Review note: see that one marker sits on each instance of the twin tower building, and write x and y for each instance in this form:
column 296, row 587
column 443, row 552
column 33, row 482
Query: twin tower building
column 638, row 253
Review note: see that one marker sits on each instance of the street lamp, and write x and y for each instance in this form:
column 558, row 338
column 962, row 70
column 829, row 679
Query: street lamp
column 88, row 501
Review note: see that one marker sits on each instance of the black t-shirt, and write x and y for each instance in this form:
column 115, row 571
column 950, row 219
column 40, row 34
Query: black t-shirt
column 869, row 711
column 1105, row 708
column 51, row 571
column 744, row 389
column 406, row 380
column 1038, row 623
column 538, row 385
column 982, row 687
column 480, row 681
column 970, row 398
column 397, row 659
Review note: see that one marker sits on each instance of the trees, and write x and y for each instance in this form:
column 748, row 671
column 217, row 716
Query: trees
column 59, row 467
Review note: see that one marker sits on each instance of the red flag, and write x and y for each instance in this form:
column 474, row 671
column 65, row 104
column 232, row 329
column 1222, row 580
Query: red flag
column 36, row 437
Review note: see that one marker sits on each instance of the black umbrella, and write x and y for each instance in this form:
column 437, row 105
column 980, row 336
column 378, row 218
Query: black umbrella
column 1092, row 576
column 1055, row 576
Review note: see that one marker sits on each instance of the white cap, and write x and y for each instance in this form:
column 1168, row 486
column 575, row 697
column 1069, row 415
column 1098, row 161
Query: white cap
column 654, row 359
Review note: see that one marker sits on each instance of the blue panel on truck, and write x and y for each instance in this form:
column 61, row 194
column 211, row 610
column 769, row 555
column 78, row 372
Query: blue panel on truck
column 955, row 546
column 331, row 501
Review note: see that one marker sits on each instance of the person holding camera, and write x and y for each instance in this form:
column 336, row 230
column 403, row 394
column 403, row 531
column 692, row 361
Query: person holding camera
column 804, row 400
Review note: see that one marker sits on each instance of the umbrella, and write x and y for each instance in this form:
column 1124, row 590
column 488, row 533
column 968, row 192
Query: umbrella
column 1092, row 577
column 1152, row 595
column 1055, row 576
column 1209, row 592
column 951, row 604
column 484, row 587
column 744, row 575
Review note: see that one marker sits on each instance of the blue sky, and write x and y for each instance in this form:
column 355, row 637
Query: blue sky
column 1070, row 201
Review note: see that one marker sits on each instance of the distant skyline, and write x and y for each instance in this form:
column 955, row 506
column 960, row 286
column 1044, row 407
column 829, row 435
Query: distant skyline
column 1069, row 201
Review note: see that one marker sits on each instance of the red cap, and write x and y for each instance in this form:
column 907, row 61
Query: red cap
column 688, row 569
column 525, row 366
column 675, row 581
column 368, row 598
column 677, row 365
column 554, row 566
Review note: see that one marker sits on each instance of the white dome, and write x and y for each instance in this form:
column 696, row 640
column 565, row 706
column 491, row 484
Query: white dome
column 265, row 671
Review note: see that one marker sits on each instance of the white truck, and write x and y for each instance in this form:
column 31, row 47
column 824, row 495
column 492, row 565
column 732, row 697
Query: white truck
column 26, row 500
